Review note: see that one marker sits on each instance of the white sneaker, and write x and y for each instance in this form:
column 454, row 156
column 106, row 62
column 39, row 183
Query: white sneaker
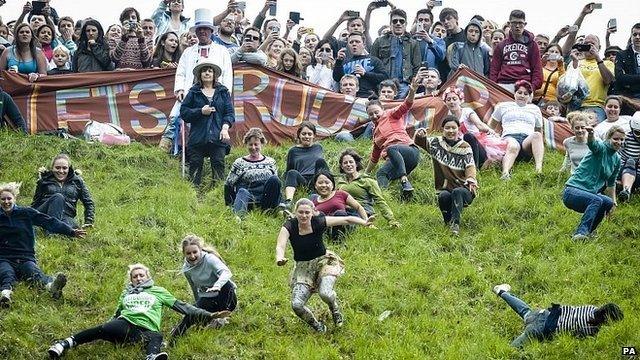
column 57, row 349
column 499, row 289
column 5, row 298
column 159, row 356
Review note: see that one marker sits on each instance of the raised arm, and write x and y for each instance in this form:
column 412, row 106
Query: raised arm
column 571, row 39
column 349, row 220
column 281, row 245
column 344, row 17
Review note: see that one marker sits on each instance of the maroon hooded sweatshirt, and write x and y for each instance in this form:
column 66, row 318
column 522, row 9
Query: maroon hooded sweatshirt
column 517, row 60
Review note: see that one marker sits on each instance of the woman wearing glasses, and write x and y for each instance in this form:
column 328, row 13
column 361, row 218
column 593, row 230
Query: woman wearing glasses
column 320, row 72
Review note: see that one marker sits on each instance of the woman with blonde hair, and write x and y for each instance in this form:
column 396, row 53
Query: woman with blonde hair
column 289, row 63
column 316, row 268
column 253, row 179
column 599, row 169
column 575, row 147
column 137, row 319
column 210, row 281
column 17, row 245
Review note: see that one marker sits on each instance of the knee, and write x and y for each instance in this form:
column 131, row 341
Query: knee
column 536, row 136
column 297, row 305
column 344, row 136
column 513, row 147
column 273, row 181
column 327, row 295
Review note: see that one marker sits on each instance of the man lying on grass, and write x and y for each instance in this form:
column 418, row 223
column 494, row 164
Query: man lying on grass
column 542, row 324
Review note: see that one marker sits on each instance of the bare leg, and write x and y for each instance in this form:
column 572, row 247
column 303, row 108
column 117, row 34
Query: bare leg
column 627, row 181
column 534, row 144
column 513, row 148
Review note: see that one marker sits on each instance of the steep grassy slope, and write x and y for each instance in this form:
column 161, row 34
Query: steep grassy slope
column 437, row 287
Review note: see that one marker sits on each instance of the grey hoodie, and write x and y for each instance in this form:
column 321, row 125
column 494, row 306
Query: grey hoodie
column 474, row 55
column 208, row 272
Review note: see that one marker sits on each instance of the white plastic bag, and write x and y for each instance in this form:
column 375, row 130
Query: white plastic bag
column 572, row 87
column 105, row 133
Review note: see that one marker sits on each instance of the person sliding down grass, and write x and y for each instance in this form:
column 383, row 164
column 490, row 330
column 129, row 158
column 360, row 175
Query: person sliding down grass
column 543, row 324
column 454, row 170
column 316, row 268
column 209, row 279
column 391, row 142
column 598, row 168
column 137, row 317
column 17, row 245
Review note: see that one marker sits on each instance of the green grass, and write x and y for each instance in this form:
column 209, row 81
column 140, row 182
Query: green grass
column 438, row 287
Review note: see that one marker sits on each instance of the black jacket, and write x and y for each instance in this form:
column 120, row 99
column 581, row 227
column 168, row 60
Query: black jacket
column 92, row 58
column 626, row 72
column 206, row 129
column 73, row 189
column 9, row 109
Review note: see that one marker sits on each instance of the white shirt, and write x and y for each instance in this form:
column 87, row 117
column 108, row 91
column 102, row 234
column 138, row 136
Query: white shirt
column 600, row 131
column 516, row 119
column 220, row 56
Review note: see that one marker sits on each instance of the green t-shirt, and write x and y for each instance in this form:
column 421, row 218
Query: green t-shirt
column 145, row 309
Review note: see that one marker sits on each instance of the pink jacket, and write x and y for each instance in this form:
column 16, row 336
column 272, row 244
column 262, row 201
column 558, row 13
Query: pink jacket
column 390, row 130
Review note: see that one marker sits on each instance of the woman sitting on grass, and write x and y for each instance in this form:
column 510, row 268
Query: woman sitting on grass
column 17, row 245
column 454, row 171
column 58, row 191
column 598, row 169
column 332, row 202
column 316, row 268
column 363, row 188
column 137, row 318
column 253, row 179
column 521, row 124
column 391, row 142
column 303, row 161
column 210, row 281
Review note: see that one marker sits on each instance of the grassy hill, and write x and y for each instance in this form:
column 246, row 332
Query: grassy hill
column 437, row 287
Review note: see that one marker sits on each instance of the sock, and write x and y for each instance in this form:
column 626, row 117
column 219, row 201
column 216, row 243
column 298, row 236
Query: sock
column 69, row 342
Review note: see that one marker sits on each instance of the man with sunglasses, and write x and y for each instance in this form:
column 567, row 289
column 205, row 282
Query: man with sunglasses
column 517, row 57
column 629, row 158
column 627, row 68
column 398, row 51
column 248, row 52
column 367, row 68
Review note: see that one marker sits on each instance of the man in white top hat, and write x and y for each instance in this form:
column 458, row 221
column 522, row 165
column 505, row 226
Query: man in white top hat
column 205, row 48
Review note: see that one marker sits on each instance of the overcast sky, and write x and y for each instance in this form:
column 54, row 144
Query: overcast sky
column 545, row 16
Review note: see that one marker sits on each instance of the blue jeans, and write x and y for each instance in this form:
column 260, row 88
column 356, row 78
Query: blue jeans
column 54, row 207
column 534, row 321
column 599, row 111
column 401, row 160
column 452, row 202
column 348, row 137
column 269, row 198
column 593, row 206
column 11, row 271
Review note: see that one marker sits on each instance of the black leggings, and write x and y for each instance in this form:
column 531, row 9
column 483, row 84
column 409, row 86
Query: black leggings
column 226, row 300
column 120, row 331
column 293, row 178
column 479, row 153
column 196, row 154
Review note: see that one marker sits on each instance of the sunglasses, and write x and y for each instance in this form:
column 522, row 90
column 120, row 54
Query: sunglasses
column 325, row 50
column 398, row 21
column 251, row 38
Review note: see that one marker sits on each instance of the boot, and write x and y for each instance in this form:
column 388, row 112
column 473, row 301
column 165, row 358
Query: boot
column 55, row 287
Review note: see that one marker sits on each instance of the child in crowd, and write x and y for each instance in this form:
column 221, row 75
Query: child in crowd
column 553, row 109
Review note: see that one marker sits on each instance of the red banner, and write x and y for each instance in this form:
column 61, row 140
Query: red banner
column 140, row 102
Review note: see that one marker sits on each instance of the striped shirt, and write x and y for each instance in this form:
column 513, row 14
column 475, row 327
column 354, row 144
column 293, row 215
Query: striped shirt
column 575, row 320
column 630, row 149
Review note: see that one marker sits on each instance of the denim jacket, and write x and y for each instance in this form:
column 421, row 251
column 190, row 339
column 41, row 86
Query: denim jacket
column 411, row 55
